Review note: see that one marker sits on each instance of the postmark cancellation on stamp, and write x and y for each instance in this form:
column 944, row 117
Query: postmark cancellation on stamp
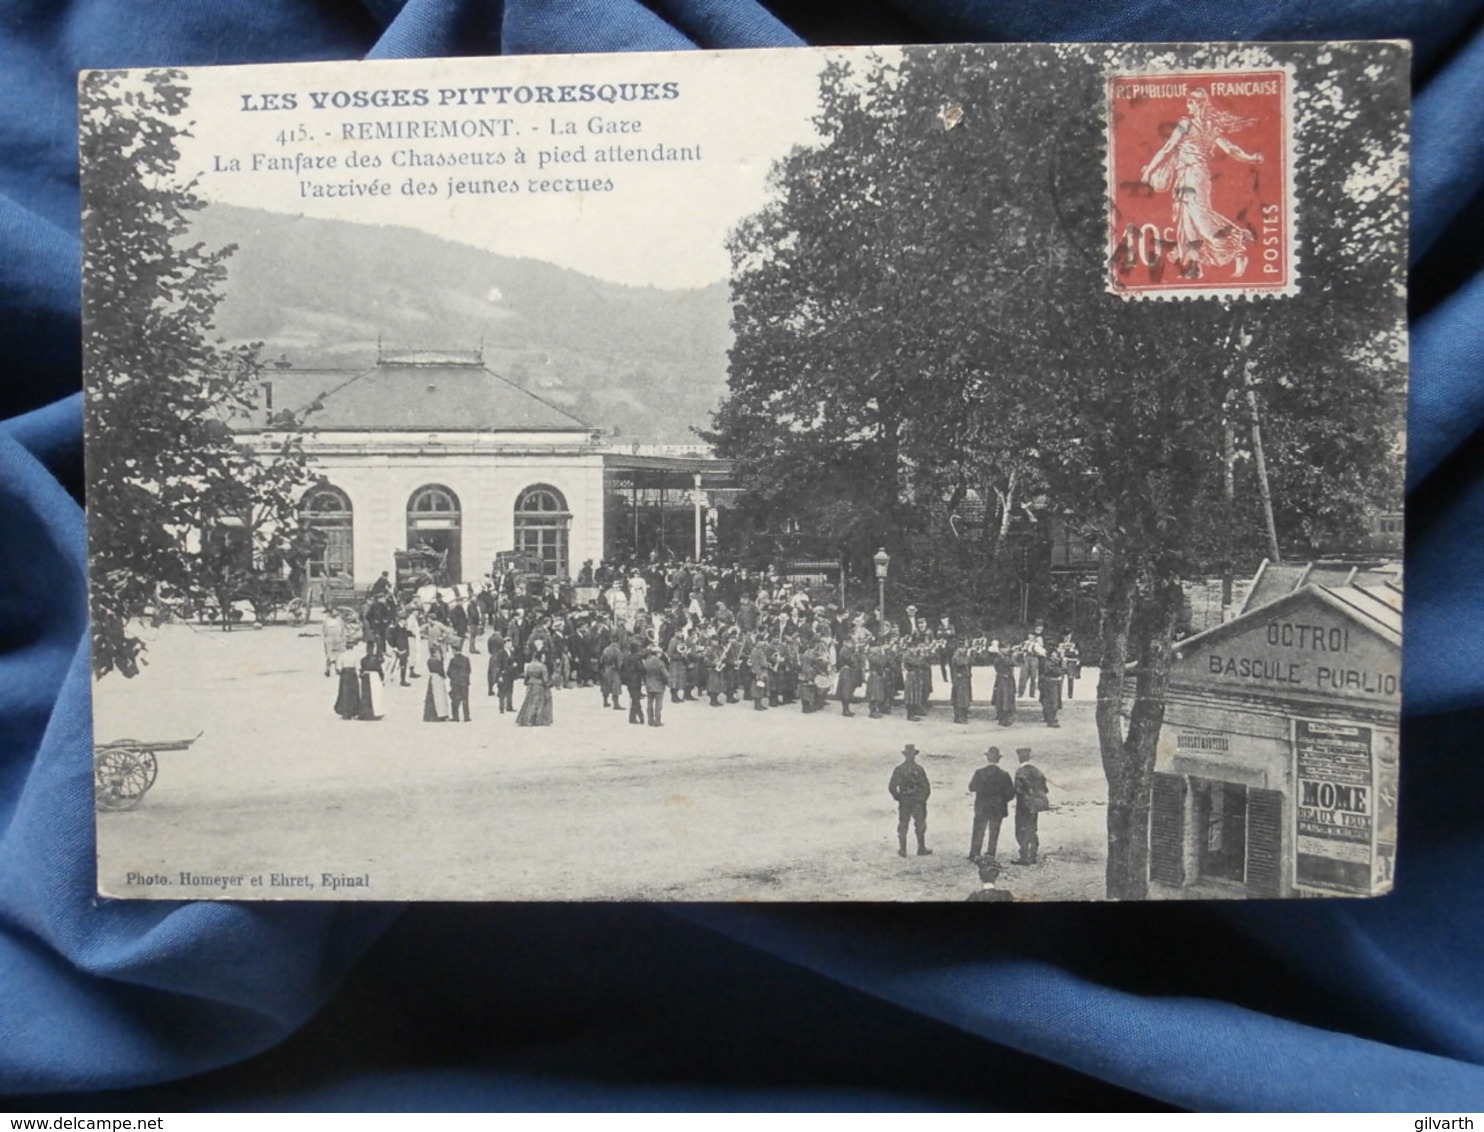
column 1200, row 184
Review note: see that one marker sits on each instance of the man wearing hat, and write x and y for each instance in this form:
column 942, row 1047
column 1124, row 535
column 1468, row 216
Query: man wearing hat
column 989, row 872
column 1030, row 802
column 656, row 680
column 911, row 620
column 333, row 628
column 993, row 790
column 910, row 788
column 458, row 672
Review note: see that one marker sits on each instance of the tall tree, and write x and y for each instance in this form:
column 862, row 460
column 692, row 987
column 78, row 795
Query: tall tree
column 163, row 464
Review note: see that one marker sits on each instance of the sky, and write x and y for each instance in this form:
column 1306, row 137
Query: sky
column 312, row 140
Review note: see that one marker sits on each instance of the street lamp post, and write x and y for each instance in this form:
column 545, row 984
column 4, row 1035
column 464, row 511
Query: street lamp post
column 883, row 563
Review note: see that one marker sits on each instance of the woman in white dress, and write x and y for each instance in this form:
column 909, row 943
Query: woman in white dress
column 416, row 655
column 435, row 700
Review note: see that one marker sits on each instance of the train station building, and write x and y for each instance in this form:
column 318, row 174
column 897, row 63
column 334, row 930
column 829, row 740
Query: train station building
column 431, row 449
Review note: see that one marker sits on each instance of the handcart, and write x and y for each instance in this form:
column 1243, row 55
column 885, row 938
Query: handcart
column 125, row 769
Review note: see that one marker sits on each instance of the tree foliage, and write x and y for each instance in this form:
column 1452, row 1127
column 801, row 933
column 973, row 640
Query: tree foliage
column 921, row 310
column 164, row 469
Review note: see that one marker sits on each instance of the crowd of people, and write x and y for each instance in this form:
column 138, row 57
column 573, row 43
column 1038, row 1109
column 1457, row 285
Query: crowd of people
column 644, row 637
column 647, row 635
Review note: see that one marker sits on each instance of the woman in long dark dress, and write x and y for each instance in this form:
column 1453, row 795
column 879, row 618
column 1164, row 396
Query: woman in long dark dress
column 435, row 701
column 373, row 680
column 348, row 696
column 535, row 710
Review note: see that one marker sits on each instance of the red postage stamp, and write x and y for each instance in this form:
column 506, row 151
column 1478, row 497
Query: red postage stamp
column 1200, row 184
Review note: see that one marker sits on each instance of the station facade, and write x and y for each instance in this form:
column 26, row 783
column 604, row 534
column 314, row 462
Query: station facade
column 430, row 449
column 1276, row 767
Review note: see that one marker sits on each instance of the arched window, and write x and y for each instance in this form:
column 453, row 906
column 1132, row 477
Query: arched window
column 541, row 525
column 326, row 511
column 434, row 521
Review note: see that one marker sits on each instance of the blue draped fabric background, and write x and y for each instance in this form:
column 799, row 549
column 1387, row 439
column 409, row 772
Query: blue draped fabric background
column 1369, row 1005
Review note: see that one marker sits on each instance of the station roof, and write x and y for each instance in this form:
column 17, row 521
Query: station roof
column 687, row 464
column 422, row 391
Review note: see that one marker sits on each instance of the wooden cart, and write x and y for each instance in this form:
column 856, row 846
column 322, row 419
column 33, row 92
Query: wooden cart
column 125, row 769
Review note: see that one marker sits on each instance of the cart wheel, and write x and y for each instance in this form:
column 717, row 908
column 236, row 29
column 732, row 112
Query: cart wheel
column 122, row 775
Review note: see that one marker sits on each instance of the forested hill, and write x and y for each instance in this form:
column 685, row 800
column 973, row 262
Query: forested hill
column 650, row 363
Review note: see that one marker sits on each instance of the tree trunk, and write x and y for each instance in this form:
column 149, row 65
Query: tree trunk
column 1007, row 500
column 1117, row 582
column 1263, row 487
column 1140, row 627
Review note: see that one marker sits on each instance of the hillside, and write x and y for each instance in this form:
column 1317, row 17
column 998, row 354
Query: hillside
column 647, row 362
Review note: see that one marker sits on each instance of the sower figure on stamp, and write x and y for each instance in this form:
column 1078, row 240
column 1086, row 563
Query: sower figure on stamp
column 910, row 787
column 1203, row 237
column 1030, row 803
column 993, row 791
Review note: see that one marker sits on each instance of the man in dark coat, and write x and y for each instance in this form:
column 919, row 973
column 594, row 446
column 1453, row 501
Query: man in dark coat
column 610, row 681
column 962, row 675
column 761, row 665
column 496, row 645
column 947, row 637
column 1050, row 690
column 1030, row 802
column 458, row 684
column 1004, row 685
column 378, row 621
column 656, row 680
column 678, row 655
column 993, row 790
column 510, row 667
column 748, row 615
column 476, row 624
column 631, row 672
column 909, row 786
column 399, row 641
column 848, row 658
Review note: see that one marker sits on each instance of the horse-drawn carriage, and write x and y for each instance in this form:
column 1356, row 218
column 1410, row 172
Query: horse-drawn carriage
column 266, row 596
column 524, row 571
column 417, row 567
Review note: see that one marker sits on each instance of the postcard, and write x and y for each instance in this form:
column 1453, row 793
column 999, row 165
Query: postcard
column 946, row 473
